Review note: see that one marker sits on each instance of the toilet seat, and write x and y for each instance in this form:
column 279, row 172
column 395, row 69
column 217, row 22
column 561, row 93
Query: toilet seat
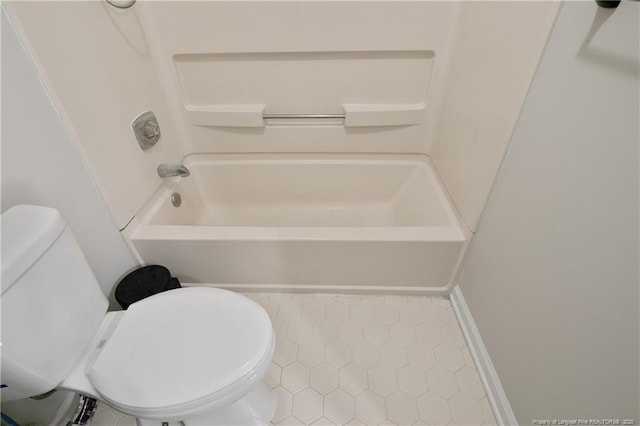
column 181, row 350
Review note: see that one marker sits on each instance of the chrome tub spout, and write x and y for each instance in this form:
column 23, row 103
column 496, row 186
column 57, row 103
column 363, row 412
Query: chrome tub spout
column 169, row 170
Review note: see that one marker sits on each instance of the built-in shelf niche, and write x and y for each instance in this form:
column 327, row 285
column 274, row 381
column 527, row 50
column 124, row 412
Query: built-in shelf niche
column 371, row 88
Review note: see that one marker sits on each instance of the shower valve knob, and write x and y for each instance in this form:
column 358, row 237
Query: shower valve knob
column 146, row 130
column 150, row 130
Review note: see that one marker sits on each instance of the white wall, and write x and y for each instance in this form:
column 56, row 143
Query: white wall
column 41, row 165
column 552, row 277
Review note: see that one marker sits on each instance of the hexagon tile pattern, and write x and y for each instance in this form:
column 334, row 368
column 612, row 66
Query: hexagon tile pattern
column 364, row 360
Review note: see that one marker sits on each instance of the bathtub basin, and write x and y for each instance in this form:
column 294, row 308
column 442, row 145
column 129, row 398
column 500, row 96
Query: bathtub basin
column 304, row 222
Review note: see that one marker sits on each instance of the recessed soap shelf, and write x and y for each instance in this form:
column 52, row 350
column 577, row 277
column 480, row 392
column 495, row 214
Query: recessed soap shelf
column 354, row 115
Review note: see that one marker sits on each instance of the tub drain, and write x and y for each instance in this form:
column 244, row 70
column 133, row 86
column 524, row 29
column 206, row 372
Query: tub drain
column 176, row 199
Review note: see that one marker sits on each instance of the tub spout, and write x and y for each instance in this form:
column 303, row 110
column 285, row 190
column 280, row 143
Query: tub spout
column 169, row 170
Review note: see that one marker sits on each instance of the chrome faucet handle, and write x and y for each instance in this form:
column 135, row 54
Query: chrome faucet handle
column 151, row 129
column 146, row 130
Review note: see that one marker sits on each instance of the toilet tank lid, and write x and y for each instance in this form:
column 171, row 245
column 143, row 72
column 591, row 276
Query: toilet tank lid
column 27, row 232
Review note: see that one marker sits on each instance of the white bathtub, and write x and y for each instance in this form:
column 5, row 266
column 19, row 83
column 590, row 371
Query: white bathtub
column 304, row 222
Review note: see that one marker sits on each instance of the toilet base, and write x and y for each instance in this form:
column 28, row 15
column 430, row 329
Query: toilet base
column 256, row 408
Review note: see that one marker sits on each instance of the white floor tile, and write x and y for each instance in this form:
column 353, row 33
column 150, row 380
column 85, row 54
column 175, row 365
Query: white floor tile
column 308, row 405
column 412, row 380
column 107, row 417
column 466, row 354
column 311, row 353
column 285, row 353
column 449, row 357
column 300, row 331
column 365, row 354
column 324, row 378
column 402, row 333
column 362, row 313
column 338, row 313
column 350, row 332
column 382, row 380
column 290, row 311
column 326, row 299
column 126, row 421
column 442, row 382
column 370, row 408
column 372, row 360
column 465, row 410
column 291, row 421
column 323, row 421
column 285, row 404
column 280, row 328
column 413, row 313
column 421, row 356
column 386, row 314
column 338, row 406
column 429, row 334
column 469, row 382
column 402, row 408
column 453, row 335
column 353, row 379
column 313, row 311
column 433, row 409
column 376, row 333
column 486, row 410
column 274, row 375
column 295, row 377
column 349, row 300
column 338, row 353
column 393, row 355
column 325, row 331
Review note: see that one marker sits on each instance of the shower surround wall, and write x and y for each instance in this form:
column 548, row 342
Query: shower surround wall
column 440, row 79
column 99, row 71
column 226, row 62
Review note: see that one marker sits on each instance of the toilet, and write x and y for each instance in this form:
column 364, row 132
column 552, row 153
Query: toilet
column 190, row 356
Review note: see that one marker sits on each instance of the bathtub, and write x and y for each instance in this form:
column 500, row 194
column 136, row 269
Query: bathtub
column 346, row 223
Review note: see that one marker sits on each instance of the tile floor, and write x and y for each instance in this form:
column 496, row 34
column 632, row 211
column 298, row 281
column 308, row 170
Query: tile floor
column 341, row 359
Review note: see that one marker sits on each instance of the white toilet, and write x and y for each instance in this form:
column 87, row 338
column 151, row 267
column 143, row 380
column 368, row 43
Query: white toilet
column 192, row 356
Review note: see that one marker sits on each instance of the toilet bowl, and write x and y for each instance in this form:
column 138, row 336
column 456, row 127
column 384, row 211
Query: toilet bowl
column 190, row 356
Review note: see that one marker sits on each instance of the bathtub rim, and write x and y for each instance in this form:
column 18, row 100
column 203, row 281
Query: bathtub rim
column 262, row 233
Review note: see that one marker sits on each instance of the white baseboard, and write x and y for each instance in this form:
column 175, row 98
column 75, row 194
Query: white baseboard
column 495, row 393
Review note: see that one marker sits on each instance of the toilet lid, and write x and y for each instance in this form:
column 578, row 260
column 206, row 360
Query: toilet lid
column 180, row 346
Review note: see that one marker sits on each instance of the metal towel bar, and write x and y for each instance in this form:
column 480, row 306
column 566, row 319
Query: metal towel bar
column 302, row 116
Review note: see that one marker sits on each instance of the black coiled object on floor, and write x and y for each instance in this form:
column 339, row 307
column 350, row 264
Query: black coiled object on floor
column 144, row 282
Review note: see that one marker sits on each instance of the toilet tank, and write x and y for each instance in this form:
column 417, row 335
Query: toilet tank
column 52, row 304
